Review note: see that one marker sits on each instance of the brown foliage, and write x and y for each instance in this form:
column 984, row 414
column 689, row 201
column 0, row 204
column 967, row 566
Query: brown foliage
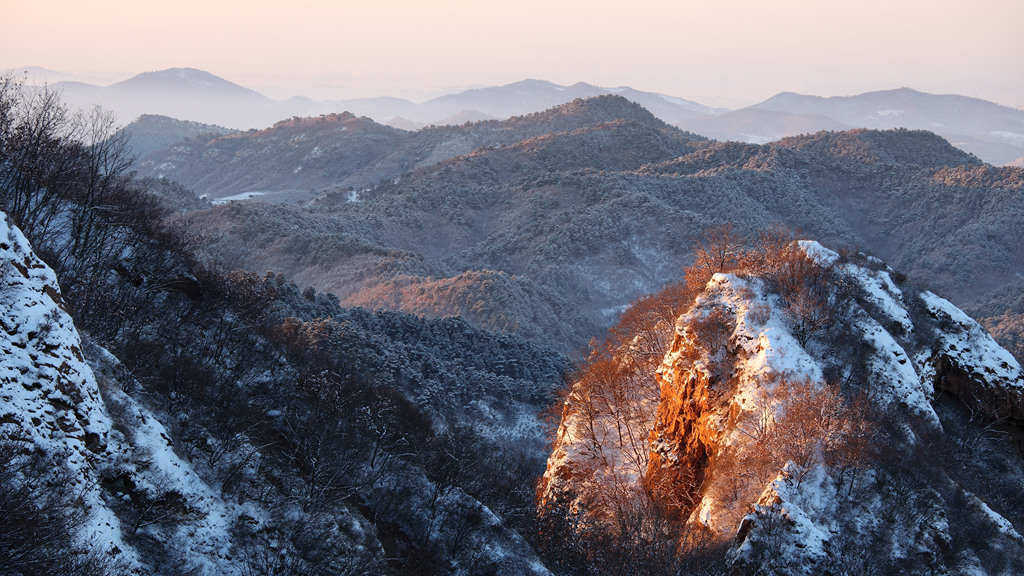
column 800, row 421
column 645, row 329
column 614, row 390
column 1008, row 330
column 712, row 331
column 615, row 386
column 719, row 249
column 807, row 422
column 775, row 256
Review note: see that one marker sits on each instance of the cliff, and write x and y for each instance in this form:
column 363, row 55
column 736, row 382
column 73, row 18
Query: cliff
column 110, row 469
column 801, row 418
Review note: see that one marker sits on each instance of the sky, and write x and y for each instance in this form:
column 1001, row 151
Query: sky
column 728, row 53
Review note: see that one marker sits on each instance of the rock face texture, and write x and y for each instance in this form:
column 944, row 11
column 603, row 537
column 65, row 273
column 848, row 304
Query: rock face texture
column 968, row 363
column 98, row 467
column 110, row 457
column 797, row 429
column 111, row 463
column 50, row 400
column 43, row 364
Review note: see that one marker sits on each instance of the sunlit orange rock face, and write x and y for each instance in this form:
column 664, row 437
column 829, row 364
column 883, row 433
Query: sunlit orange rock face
column 684, row 435
column 787, row 439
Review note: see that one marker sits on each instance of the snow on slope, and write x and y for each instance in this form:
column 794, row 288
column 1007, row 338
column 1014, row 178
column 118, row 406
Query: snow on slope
column 898, row 348
column 155, row 512
column 52, row 400
column 969, row 343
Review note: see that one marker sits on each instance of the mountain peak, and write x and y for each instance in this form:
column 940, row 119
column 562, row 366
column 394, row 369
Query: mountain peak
column 913, row 147
column 605, row 108
column 185, row 79
column 528, row 83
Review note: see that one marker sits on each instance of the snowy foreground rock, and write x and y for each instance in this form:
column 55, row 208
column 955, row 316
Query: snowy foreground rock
column 103, row 462
column 54, row 401
column 854, row 445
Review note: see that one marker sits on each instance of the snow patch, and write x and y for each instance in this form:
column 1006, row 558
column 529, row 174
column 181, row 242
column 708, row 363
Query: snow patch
column 242, row 196
column 894, row 378
column 890, row 114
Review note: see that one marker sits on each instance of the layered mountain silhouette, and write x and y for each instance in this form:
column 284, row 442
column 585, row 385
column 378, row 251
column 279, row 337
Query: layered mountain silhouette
column 994, row 133
column 547, row 224
column 196, row 95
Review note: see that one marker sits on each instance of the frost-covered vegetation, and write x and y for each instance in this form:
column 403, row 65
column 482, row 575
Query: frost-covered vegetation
column 166, row 412
column 808, row 415
column 565, row 215
column 227, row 423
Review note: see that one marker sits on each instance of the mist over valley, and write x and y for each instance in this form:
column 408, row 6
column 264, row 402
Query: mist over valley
column 529, row 328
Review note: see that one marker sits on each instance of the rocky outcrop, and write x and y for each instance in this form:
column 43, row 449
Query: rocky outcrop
column 51, row 403
column 111, row 458
column 43, row 363
column 968, row 363
column 811, row 450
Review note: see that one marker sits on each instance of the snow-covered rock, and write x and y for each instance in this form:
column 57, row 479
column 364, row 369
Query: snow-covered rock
column 53, row 404
column 50, row 399
column 969, row 363
column 745, row 387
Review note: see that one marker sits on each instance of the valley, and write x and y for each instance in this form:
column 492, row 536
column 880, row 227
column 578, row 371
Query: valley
column 568, row 213
column 572, row 340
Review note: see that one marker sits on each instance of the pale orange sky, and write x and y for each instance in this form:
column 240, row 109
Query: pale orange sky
column 725, row 52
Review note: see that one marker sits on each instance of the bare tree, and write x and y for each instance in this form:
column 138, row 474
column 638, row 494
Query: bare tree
column 719, row 249
column 40, row 518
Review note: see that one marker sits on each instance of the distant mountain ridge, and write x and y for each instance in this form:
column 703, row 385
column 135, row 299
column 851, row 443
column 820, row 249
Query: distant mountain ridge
column 312, row 155
column 882, row 106
column 565, row 215
column 187, row 80
column 182, row 93
column 528, row 96
column 995, row 133
column 203, row 97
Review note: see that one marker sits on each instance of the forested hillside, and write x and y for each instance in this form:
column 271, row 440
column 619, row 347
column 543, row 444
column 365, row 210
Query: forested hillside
column 150, row 132
column 564, row 217
column 187, row 388
column 227, row 423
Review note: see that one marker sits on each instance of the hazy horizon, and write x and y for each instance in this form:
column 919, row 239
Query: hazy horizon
column 730, row 54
